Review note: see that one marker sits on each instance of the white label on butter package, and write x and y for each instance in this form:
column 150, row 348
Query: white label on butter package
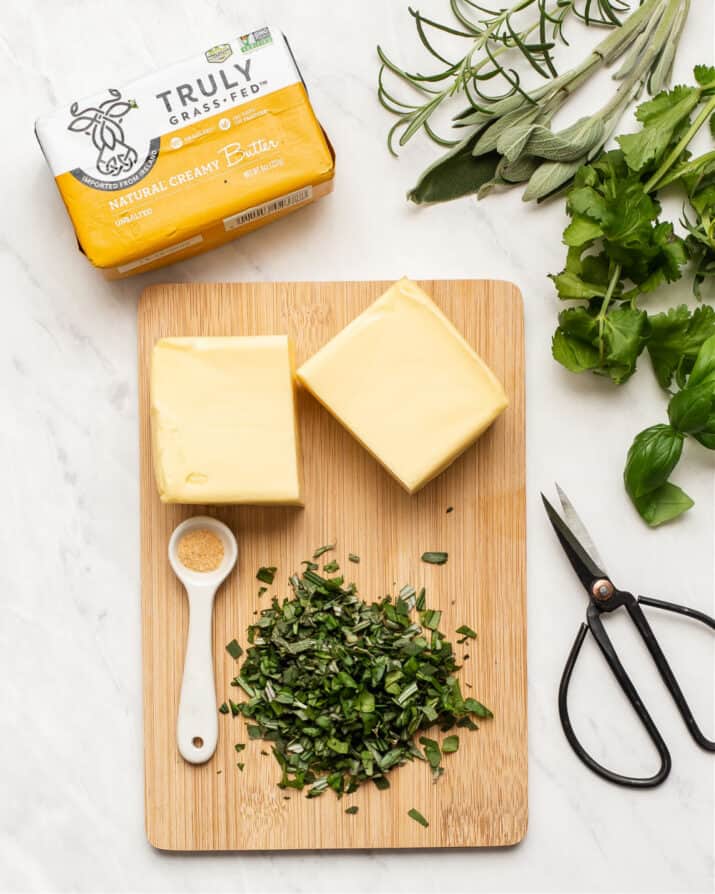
column 110, row 140
column 259, row 211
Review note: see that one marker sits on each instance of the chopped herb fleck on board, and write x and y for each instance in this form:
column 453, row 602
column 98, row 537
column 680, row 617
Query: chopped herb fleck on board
column 234, row 650
column 266, row 575
column 435, row 558
column 417, row 817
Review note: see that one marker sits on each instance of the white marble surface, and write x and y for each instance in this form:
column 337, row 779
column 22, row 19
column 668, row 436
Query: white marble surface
column 70, row 726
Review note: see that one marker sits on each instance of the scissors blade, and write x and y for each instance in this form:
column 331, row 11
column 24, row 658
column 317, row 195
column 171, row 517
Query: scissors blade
column 578, row 528
column 582, row 563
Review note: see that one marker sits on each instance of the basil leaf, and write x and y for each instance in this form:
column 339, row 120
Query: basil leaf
column 663, row 504
column 690, row 409
column 704, row 367
column 652, row 457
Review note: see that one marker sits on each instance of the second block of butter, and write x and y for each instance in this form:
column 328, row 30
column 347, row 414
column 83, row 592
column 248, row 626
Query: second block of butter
column 223, row 420
column 407, row 385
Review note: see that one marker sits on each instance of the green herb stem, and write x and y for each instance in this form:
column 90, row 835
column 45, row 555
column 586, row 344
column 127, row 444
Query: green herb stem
column 682, row 144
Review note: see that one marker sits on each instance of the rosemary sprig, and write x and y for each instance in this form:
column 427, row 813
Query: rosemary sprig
column 490, row 35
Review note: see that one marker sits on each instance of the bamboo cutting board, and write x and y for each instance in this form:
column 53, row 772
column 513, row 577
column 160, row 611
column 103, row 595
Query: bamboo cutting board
column 482, row 797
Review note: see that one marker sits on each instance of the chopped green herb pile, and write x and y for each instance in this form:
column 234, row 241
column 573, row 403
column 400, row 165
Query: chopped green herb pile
column 417, row 817
column 341, row 687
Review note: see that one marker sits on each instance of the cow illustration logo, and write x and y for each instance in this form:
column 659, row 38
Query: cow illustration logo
column 103, row 124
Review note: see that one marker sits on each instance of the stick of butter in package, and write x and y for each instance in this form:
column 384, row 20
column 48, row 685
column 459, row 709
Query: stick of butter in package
column 189, row 157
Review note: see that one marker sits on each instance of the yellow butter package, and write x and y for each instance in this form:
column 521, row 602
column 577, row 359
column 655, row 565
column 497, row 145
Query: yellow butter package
column 189, row 157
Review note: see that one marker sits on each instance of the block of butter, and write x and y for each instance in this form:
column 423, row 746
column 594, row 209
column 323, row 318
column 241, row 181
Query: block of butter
column 406, row 384
column 223, row 420
column 188, row 157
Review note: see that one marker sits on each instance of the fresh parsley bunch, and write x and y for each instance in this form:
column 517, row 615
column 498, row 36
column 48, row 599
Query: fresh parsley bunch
column 618, row 247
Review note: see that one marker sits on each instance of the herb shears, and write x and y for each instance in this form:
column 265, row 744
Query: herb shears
column 604, row 596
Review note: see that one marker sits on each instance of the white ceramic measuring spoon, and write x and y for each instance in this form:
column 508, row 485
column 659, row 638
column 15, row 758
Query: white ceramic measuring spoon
column 197, row 723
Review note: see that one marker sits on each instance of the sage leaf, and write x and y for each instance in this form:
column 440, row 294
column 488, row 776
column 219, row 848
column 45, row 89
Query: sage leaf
column 512, row 142
column 548, row 178
column 517, row 171
column 455, row 174
column 489, row 139
column 570, row 144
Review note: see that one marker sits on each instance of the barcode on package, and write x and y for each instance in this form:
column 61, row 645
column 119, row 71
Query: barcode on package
column 258, row 211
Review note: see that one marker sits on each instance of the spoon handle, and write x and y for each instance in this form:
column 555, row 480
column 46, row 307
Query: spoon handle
column 197, row 724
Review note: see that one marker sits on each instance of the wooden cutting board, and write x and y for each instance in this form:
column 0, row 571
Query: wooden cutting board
column 482, row 798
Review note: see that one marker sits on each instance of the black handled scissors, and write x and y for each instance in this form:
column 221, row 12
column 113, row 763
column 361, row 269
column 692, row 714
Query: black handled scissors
column 605, row 597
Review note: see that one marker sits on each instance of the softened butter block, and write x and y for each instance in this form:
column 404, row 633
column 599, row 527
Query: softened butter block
column 406, row 384
column 224, row 427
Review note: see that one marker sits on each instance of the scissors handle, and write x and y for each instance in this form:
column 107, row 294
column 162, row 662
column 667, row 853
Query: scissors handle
column 595, row 625
column 661, row 662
